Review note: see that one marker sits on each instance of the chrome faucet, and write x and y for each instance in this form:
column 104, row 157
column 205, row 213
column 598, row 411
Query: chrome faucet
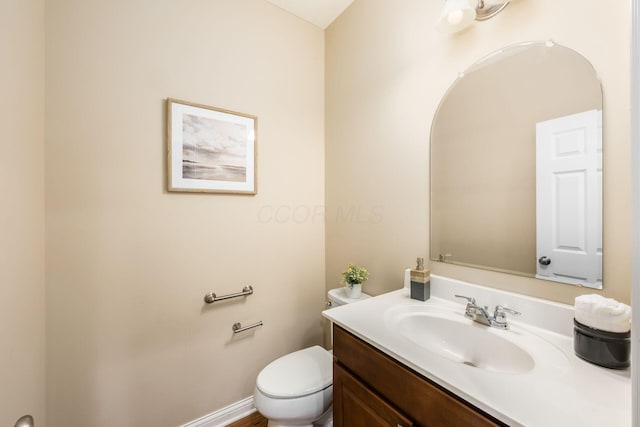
column 481, row 314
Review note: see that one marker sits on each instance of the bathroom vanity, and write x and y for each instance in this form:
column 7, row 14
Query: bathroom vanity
column 372, row 389
column 402, row 362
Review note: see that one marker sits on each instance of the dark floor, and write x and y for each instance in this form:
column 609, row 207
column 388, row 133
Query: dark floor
column 253, row 420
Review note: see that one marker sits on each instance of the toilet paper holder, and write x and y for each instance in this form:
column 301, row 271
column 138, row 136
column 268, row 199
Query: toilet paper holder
column 237, row 327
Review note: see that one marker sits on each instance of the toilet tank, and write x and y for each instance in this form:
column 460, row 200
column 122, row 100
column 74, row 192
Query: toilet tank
column 335, row 298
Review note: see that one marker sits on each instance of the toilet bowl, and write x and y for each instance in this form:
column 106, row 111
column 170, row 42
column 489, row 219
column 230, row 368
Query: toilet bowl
column 296, row 390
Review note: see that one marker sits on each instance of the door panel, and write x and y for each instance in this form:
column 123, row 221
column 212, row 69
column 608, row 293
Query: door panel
column 569, row 199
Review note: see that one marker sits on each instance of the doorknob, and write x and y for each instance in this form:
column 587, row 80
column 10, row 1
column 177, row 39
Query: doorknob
column 25, row 421
column 544, row 260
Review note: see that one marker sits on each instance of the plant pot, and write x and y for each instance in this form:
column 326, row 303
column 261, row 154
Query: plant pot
column 353, row 291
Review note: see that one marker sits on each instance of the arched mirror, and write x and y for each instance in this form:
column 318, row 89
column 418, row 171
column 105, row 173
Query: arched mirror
column 516, row 166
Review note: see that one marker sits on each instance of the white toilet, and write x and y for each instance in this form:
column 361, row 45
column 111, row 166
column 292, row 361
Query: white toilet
column 296, row 390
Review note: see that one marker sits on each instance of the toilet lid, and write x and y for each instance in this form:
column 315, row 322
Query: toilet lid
column 297, row 374
column 338, row 297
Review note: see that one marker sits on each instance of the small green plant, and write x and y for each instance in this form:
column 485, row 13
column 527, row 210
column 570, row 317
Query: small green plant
column 354, row 275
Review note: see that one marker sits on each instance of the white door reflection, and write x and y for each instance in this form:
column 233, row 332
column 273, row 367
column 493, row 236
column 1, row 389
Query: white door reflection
column 569, row 199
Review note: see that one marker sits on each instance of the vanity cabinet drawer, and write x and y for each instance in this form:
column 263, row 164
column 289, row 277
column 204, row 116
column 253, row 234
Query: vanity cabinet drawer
column 419, row 399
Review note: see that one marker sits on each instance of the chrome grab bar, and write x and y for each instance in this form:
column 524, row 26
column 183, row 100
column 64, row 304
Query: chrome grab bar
column 237, row 327
column 211, row 297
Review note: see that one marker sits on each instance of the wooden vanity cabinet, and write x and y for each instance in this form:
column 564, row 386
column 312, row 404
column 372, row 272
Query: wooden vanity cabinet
column 370, row 389
column 361, row 407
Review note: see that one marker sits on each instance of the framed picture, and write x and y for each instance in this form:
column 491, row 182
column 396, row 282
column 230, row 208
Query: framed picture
column 210, row 150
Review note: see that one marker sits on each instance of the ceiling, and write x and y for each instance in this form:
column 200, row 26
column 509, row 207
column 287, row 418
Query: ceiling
column 319, row 12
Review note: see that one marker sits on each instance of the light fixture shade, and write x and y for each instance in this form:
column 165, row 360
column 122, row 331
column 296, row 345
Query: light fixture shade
column 456, row 16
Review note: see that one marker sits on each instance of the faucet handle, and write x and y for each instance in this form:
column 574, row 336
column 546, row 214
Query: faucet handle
column 500, row 316
column 469, row 299
column 503, row 309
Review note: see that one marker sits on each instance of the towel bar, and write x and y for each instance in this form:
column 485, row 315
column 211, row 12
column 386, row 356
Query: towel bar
column 211, row 297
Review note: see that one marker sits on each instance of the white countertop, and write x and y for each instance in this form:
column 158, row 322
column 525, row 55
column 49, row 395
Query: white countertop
column 580, row 394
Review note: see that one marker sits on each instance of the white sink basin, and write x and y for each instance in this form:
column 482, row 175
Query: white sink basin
column 449, row 334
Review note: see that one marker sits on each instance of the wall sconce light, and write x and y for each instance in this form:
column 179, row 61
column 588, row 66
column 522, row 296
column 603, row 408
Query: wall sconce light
column 459, row 14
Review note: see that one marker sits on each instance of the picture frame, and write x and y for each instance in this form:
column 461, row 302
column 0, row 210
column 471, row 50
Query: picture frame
column 210, row 150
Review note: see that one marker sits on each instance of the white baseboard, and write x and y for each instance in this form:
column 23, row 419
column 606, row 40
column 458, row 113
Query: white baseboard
column 225, row 416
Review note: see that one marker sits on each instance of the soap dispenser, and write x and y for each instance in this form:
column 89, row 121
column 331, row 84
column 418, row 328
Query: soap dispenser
column 420, row 282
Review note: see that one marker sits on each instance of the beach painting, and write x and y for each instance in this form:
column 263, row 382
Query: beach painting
column 211, row 149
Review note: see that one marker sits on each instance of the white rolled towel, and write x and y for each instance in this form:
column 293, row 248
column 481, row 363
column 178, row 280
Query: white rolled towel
column 603, row 313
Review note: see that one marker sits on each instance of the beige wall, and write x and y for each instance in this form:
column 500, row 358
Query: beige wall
column 386, row 70
column 130, row 341
column 22, row 305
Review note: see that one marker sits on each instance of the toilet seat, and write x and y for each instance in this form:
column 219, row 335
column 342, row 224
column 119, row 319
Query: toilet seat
column 294, row 411
column 298, row 374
